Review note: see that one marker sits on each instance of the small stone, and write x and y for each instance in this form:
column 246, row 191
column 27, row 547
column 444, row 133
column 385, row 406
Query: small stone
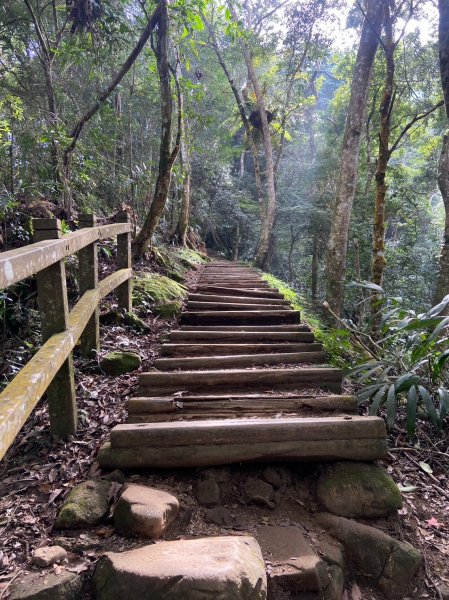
column 87, row 504
column 119, row 362
column 219, row 516
column 295, row 566
column 332, row 553
column 64, row 586
column 335, row 587
column 259, row 492
column 116, row 475
column 78, row 544
column 358, row 490
column 390, row 563
column 145, row 512
column 219, row 474
column 207, row 492
column 277, row 476
column 444, row 591
column 48, row 555
column 230, row 568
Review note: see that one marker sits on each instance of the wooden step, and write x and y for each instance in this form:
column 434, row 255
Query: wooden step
column 215, row 317
column 193, row 305
column 239, row 361
column 214, row 336
column 237, row 284
column 249, row 328
column 235, row 299
column 155, row 383
column 146, row 410
column 215, row 442
column 232, row 349
column 236, row 291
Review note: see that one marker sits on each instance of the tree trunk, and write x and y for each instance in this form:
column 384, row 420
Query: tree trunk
column 235, row 246
column 338, row 239
column 383, row 156
column 315, row 266
column 442, row 287
column 167, row 157
column 183, row 222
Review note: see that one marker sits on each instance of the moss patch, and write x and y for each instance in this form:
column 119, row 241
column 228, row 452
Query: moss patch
column 117, row 362
column 87, row 504
column 159, row 294
column 177, row 262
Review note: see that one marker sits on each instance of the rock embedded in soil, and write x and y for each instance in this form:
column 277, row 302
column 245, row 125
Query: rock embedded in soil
column 259, row 492
column 64, row 586
column 145, row 512
column 207, row 492
column 48, row 555
column 389, row 563
column 115, row 475
column 219, row 516
column 295, row 567
column 223, row 568
column 358, row 490
column 120, row 362
column 87, row 504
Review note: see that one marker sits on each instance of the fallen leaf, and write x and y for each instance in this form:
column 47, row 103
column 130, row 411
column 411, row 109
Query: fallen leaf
column 434, row 523
column 426, row 467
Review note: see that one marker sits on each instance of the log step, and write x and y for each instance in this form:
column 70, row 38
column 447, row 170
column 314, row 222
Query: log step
column 213, row 336
column 232, row 349
column 236, row 291
column 214, row 442
column 193, row 305
column 238, row 361
column 235, row 379
column 250, row 328
column 194, row 297
column 214, row 317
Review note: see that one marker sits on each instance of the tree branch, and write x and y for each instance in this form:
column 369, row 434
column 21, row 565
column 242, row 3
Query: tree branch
column 410, row 124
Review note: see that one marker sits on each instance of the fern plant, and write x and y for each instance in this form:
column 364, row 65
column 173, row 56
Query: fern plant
column 409, row 365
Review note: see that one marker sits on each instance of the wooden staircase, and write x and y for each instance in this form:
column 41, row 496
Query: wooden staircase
column 240, row 381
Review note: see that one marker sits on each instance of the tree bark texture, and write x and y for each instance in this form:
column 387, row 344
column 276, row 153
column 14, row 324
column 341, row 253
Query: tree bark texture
column 167, row 156
column 442, row 287
column 338, row 239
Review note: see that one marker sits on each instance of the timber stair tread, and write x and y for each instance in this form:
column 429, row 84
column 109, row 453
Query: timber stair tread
column 235, row 383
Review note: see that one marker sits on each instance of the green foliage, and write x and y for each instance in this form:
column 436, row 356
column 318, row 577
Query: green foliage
column 408, row 369
column 336, row 342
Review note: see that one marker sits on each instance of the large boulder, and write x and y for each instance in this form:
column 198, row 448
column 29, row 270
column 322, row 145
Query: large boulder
column 359, row 490
column 50, row 586
column 389, row 563
column 87, row 504
column 223, row 568
column 145, row 512
column 120, row 362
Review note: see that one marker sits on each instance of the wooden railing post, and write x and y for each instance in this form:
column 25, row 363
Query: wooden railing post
column 54, row 312
column 124, row 296
column 88, row 280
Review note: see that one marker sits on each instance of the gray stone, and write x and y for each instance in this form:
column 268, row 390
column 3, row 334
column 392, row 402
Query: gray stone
column 207, row 492
column 294, row 566
column 277, row 476
column 222, row 568
column 332, row 553
column 358, row 490
column 444, row 591
column 145, row 512
column 116, row 475
column 219, row 516
column 220, row 474
column 87, row 504
column 119, row 362
column 335, row 587
column 65, row 586
column 374, row 554
column 48, row 555
column 259, row 492
column 78, row 544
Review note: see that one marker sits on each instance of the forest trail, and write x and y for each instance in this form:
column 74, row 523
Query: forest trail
column 241, row 380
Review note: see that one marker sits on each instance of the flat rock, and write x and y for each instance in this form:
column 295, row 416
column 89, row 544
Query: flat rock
column 276, row 476
column 65, row 586
column 119, row 362
column 87, row 504
column 359, row 490
column 222, row 568
column 145, row 512
column 207, row 492
column 374, row 554
column 294, row 566
column 48, row 555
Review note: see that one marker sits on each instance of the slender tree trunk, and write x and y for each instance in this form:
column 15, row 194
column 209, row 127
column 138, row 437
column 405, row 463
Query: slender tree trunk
column 338, row 239
column 383, row 157
column 167, row 157
column 236, row 242
column 315, row 266
column 183, row 221
column 442, row 287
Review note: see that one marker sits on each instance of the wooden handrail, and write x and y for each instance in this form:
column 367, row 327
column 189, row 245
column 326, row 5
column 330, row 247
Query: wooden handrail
column 51, row 368
column 18, row 264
